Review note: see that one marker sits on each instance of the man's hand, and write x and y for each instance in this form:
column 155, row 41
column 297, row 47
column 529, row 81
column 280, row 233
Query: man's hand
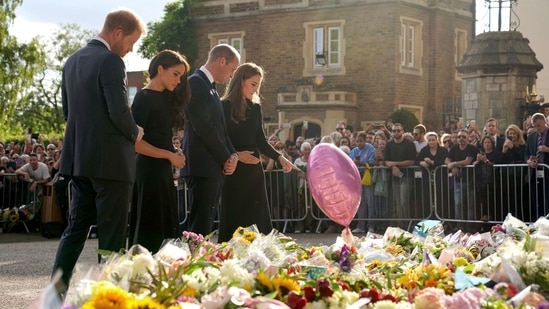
column 139, row 133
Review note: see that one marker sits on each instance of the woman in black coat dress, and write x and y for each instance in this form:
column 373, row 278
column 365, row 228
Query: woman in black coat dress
column 244, row 198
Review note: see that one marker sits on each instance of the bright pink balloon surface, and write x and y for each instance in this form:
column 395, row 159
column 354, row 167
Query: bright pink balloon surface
column 334, row 182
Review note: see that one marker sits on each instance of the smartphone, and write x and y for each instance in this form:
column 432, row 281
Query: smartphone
column 286, row 125
column 305, row 124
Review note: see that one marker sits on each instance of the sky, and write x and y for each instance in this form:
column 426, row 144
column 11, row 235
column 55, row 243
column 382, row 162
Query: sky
column 43, row 17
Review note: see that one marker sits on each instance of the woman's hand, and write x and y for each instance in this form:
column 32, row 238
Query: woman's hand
column 178, row 160
column 247, row 157
column 287, row 166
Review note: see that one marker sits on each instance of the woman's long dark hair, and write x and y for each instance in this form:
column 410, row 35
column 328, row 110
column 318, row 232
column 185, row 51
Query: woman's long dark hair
column 182, row 93
column 234, row 90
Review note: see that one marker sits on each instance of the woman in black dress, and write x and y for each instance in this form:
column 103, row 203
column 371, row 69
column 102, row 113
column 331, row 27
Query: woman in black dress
column 244, row 198
column 158, row 108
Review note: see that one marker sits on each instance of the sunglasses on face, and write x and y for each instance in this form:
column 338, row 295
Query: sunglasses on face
column 462, row 136
column 396, row 131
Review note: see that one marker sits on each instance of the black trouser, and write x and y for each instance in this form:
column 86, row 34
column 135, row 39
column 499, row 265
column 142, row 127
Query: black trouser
column 94, row 200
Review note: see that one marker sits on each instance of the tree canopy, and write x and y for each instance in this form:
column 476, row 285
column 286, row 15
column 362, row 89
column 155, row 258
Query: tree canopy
column 43, row 111
column 18, row 64
column 175, row 31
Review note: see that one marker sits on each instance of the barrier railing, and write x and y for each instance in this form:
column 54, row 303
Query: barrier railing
column 474, row 200
column 18, row 203
column 478, row 197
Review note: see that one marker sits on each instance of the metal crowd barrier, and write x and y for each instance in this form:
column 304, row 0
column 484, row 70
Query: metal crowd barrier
column 18, row 204
column 484, row 197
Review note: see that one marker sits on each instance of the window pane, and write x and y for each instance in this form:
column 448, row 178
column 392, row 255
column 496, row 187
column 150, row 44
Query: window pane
column 403, row 50
column 334, row 46
column 236, row 43
column 223, row 41
column 318, row 43
column 410, row 46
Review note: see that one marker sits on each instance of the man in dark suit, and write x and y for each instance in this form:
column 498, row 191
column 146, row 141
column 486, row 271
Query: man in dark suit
column 206, row 145
column 98, row 150
column 536, row 153
column 492, row 130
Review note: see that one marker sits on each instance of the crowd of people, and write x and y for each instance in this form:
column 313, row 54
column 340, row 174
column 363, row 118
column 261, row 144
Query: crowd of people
column 467, row 178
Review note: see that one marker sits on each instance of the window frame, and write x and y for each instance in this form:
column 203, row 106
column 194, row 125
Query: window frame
column 326, row 38
column 411, row 46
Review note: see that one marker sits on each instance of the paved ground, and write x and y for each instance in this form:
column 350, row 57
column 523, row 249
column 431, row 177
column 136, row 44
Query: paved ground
column 26, row 261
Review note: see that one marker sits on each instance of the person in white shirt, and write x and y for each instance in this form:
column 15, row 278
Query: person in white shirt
column 36, row 173
column 419, row 137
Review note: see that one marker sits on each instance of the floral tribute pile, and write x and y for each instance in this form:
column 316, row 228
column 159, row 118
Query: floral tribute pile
column 505, row 268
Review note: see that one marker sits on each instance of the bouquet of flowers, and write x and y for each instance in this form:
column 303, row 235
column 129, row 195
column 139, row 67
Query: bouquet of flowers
column 253, row 270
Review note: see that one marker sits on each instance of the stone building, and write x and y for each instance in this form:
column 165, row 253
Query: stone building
column 353, row 60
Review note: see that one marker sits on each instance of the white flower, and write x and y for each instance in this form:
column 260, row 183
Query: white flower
column 231, row 272
column 142, row 262
column 254, row 260
column 122, row 271
column 317, row 305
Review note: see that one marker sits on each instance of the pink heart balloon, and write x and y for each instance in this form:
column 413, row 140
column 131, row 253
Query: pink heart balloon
column 334, row 182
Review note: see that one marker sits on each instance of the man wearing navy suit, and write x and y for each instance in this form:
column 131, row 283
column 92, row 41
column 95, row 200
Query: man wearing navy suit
column 98, row 150
column 206, row 145
column 536, row 152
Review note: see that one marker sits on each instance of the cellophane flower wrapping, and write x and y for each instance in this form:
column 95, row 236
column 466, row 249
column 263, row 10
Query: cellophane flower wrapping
column 394, row 270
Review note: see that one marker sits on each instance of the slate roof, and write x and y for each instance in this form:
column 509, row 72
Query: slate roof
column 499, row 51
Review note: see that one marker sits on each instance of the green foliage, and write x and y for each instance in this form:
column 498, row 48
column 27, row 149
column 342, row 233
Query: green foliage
column 43, row 111
column 175, row 31
column 18, row 64
column 406, row 118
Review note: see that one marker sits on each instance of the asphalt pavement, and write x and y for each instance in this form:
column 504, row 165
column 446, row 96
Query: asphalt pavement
column 26, row 261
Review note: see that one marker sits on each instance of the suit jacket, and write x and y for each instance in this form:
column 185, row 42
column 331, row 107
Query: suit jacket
column 206, row 144
column 101, row 132
column 532, row 144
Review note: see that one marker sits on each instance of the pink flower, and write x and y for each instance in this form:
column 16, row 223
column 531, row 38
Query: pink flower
column 429, row 298
column 469, row 298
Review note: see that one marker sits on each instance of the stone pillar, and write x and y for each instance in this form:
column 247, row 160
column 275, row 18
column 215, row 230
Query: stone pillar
column 495, row 71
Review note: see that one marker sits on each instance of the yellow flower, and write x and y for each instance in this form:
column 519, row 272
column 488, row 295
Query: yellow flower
column 374, row 264
column 189, row 291
column 145, row 303
column 249, row 236
column 238, row 231
column 460, row 261
column 107, row 297
column 283, row 286
column 265, row 281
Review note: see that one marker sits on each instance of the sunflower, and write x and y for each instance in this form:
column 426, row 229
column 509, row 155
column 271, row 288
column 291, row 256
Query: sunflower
column 283, row 286
column 145, row 303
column 264, row 280
column 374, row 264
column 107, row 297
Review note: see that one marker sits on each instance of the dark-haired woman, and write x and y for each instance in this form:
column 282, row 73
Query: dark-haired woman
column 158, row 108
